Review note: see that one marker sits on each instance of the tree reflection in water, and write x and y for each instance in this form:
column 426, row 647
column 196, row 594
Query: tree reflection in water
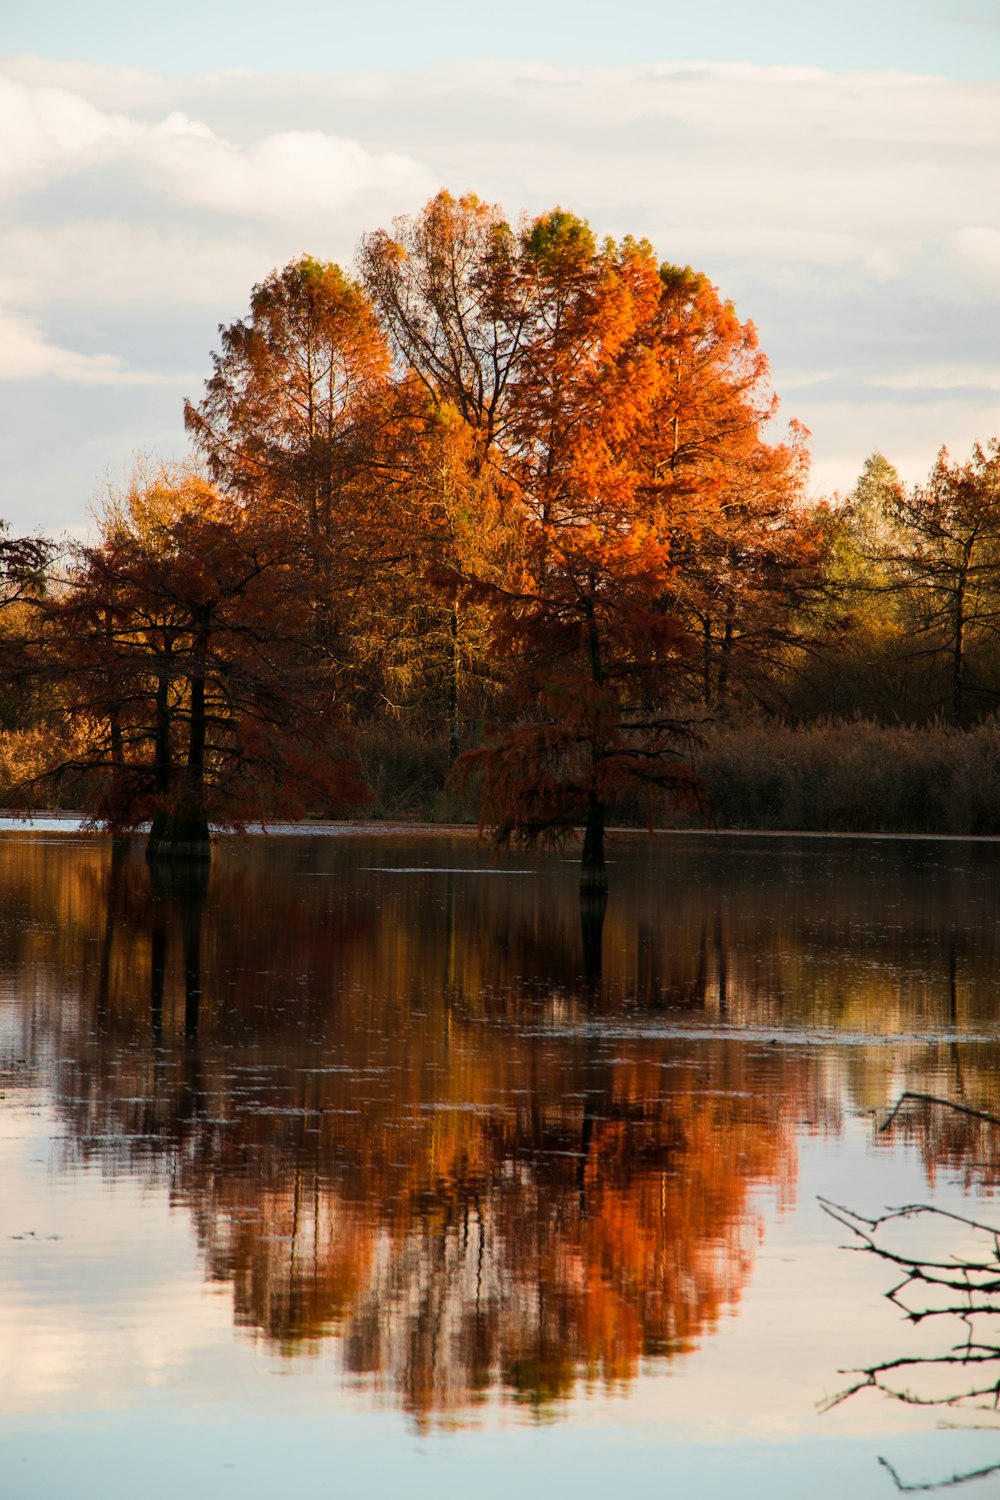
column 429, row 1116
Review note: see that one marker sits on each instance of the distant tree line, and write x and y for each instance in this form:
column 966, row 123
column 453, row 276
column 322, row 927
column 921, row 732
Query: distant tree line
column 506, row 508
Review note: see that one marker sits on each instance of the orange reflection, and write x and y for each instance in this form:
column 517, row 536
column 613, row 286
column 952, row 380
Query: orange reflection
column 400, row 1114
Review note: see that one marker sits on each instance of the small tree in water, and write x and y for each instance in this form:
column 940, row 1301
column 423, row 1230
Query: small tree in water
column 186, row 639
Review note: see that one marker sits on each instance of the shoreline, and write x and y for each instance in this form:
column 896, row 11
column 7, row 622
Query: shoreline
column 59, row 821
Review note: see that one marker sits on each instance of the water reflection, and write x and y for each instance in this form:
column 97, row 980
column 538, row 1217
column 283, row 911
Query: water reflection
column 415, row 1102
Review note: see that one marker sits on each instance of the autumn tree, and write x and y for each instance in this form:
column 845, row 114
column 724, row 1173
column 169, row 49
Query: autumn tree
column 289, row 424
column 25, row 562
column 281, row 421
column 910, row 619
column 662, row 545
column 187, row 644
column 449, row 288
column 301, row 417
column 743, row 549
column 438, row 666
column 948, row 567
column 540, row 447
column 594, row 654
column 859, row 659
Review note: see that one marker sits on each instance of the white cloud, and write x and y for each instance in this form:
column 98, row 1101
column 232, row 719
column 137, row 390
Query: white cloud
column 295, row 172
column 209, row 217
column 49, row 132
column 26, row 354
column 977, row 252
column 113, row 264
column 844, row 213
column 941, row 377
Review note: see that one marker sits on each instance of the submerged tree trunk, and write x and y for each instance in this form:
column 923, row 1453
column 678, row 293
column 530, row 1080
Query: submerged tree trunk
column 180, row 835
column 593, row 905
column 593, row 869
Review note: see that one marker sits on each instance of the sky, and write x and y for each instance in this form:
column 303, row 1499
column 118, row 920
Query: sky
column 834, row 170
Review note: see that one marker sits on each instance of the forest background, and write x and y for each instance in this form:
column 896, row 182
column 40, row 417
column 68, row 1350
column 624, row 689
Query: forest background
column 500, row 524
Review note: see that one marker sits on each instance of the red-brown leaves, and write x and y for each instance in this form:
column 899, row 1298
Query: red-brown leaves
column 187, row 639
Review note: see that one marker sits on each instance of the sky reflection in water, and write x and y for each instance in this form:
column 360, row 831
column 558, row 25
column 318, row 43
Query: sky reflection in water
column 331, row 1172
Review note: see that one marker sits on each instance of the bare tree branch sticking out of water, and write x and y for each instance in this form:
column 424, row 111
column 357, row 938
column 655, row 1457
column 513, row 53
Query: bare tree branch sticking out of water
column 965, row 1375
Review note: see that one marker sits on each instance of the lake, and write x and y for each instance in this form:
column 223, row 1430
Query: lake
column 365, row 1167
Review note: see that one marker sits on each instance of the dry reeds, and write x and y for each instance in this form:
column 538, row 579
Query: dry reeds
column 853, row 777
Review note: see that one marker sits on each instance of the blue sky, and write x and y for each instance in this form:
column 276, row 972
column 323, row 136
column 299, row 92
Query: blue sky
column 832, row 169
column 950, row 37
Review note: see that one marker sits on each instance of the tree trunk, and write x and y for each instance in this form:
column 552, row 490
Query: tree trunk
column 706, row 660
column 958, row 656
column 593, row 870
column 163, row 770
column 454, row 727
column 114, row 717
column 182, row 833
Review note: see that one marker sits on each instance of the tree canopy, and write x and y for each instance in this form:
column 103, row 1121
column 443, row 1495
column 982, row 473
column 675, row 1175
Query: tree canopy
column 506, row 496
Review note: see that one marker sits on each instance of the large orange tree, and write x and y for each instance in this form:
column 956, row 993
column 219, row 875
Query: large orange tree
column 580, row 622
column 743, row 548
column 649, row 499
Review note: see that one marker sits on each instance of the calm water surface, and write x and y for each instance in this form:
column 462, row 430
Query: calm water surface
column 366, row 1169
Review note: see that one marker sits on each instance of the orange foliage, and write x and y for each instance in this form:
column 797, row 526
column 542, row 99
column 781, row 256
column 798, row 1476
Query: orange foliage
column 650, row 502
